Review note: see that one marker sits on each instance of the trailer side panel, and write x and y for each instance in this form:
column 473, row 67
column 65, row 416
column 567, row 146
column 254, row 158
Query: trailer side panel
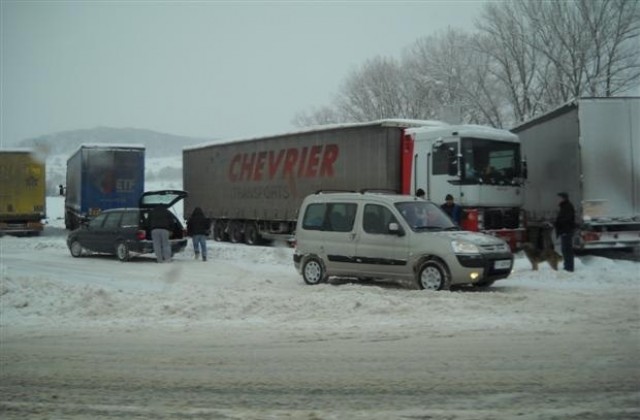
column 267, row 179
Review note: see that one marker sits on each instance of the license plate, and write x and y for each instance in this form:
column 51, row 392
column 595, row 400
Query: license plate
column 502, row 264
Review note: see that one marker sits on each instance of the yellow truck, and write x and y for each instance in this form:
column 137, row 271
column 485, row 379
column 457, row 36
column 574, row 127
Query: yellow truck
column 22, row 192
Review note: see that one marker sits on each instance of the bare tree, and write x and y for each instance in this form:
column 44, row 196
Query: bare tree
column 591, row 45
column 320, row 116
column 505, row 39
column 375, row 91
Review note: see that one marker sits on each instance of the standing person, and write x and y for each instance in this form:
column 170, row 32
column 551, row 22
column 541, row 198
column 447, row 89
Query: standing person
column 420, row 193
column 565, row 225
column 161, row 222
column 198, row 228
column 452, row 209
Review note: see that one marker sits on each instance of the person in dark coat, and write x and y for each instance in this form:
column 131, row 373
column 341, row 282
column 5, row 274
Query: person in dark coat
column 420, row 193
column 565, row 226
column 452, row 209
column 161, row 224
column 198, row 228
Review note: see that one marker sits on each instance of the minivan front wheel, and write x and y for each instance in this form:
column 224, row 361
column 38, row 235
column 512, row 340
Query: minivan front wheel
column 122, row 251
column 433, row 275
column 313, row 271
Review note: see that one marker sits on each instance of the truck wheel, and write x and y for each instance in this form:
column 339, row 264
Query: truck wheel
column 219, row 234
column 122, row 251
column 235, row 235
column 433, row 275
column 313, row 272
column 76, row 249
column 251, row 235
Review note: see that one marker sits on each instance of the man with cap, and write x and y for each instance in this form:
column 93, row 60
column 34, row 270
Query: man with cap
column 452, row 209
column 565, row 225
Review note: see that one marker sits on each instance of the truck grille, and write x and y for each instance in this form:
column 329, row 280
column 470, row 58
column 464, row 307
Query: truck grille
column 501, row 218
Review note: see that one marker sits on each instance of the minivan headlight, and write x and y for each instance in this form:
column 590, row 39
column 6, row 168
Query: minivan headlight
column 461, row 247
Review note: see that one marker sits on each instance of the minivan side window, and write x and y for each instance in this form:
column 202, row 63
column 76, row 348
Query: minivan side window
column 314, row 217
column 330, row 217
column 376, row 219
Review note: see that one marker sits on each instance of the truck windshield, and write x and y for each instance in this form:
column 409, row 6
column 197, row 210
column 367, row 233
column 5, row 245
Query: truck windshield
column 490, row 162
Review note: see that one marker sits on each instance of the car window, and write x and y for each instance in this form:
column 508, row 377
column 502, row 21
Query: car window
column 340, row 217
column 313, row 217
column 376, row 219
column 423, row 215
column 112, row 221
column 98, row 221
column 129, row 218
column 331, row 217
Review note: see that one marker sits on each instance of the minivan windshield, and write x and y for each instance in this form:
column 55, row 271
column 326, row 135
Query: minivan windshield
column 425, row 216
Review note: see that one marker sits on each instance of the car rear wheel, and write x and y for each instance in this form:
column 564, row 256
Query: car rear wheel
column 313, row 271
column 122, row 251
column 433, row 275
column 76, row 249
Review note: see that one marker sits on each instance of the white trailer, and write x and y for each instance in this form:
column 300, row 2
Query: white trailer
column 589, row 148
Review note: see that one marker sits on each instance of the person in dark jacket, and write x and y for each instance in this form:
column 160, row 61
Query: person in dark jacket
column 198, row 228
column 161, row 224
column 565, row 226
column 452, row 209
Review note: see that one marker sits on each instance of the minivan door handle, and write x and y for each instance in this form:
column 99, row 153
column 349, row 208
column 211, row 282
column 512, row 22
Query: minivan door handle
column 352, row 235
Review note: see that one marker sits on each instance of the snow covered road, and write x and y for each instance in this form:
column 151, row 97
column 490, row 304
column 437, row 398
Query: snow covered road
column 241, row 336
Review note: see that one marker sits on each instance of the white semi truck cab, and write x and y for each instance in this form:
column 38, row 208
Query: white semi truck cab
column 481, row 167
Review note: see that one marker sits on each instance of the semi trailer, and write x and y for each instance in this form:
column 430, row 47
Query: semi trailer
column 251, row 189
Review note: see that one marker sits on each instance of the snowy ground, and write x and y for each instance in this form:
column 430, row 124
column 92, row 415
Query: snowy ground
column 241, row 336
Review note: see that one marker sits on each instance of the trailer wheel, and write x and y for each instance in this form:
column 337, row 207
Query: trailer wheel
column 122, row 251
column 251, row 235
column 235, row 233
column 313, row 271
column 76, row 249
column 433, row 275
column 219, row 234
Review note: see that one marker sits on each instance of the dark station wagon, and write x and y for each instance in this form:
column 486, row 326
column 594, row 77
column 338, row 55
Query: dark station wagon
column 125, row 232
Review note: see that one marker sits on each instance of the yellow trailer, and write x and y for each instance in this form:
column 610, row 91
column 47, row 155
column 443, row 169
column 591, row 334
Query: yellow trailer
column 22, row 192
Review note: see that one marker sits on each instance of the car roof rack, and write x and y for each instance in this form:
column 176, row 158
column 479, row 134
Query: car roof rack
column 378, row 191
column 333, row 191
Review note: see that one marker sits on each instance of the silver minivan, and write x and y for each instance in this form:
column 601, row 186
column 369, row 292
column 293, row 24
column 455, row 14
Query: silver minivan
column 372, row 235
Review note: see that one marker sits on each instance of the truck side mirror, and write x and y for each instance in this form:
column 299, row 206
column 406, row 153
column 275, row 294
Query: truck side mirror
column 524, row 169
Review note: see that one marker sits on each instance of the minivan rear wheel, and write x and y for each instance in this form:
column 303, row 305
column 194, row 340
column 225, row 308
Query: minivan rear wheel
column 313, row 271
column 433, row 275
column 122, row 251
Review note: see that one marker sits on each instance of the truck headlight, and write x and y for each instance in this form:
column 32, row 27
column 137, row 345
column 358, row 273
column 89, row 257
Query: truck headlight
column 460, row 247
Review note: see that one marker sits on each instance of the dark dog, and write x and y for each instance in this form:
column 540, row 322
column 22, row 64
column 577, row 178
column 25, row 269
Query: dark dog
column 537, row 256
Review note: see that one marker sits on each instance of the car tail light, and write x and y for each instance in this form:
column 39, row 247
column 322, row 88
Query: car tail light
column 141, row 235
column 590, row 236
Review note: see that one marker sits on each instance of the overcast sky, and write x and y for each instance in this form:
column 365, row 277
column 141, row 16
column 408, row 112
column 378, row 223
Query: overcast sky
column 208, row 69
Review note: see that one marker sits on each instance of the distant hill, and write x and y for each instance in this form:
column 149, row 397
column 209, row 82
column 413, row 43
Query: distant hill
column 157, row 144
